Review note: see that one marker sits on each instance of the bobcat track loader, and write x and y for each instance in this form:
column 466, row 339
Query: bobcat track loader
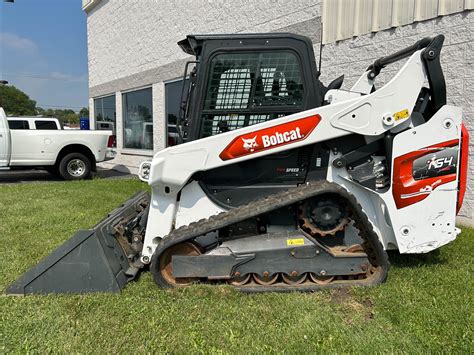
column 282, row 183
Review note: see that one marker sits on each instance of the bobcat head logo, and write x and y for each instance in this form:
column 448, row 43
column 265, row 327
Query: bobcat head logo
column 250, row 144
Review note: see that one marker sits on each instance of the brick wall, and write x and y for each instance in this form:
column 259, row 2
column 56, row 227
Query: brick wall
column 132, row 44
column 127, row 37
column 351, row 57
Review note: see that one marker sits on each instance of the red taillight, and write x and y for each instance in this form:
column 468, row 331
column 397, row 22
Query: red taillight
column 463, row 166
column 112, row 143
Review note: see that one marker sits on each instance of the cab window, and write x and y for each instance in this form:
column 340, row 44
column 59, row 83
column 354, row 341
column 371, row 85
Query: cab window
column 18, row 124
column 249, row 88
column 45, row 125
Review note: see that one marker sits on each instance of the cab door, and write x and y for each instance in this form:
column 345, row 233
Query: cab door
column 5, row 144
column 244, row 89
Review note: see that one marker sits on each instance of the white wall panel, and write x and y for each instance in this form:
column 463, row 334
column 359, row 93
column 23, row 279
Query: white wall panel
column 381, row 14
column 347, row 18
column 346, row 11
column 425, row 9
column 403, row 12
column 450, row 6
column 363, row 22
column 330, row 20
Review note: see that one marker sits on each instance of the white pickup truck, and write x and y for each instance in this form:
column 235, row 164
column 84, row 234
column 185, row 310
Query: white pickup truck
column 36, row 142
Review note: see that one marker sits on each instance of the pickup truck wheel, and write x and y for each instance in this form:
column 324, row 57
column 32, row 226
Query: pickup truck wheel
column 75, row 166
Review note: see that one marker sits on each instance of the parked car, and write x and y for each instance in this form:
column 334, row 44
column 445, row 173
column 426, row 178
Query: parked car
column 37, row 142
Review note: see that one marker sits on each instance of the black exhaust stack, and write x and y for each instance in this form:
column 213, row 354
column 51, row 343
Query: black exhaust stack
column 91, row 261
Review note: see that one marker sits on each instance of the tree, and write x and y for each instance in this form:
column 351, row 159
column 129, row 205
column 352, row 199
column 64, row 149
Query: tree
column 15, row 102
column 71, row 118
column 84, row 112
column 40, row 111
column 64, row 116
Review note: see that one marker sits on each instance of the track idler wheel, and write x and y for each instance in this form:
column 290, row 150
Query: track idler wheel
column 165, row 266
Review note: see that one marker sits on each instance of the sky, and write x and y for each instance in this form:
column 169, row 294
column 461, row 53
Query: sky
column 43, row 51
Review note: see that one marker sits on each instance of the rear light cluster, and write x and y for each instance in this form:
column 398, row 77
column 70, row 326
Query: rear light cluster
column 463, row 166
column 112, row 142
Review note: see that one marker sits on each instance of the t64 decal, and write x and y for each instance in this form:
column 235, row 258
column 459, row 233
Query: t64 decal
column 417, row 174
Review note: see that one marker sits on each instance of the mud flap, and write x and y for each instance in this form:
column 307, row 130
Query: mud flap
column 91, row 261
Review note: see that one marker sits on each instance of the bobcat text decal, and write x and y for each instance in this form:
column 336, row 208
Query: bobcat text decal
column 267, row 138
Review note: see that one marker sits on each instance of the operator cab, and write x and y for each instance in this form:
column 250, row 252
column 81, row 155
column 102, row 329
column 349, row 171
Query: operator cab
column 243, row 79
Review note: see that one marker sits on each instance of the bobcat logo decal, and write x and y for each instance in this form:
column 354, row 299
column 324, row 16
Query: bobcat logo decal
column 275, row 136
column 250, row 144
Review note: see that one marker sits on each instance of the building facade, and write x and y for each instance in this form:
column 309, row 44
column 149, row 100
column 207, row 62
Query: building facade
column 136, row 68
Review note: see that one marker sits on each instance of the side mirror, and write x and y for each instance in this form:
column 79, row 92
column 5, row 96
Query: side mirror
column 336, row 83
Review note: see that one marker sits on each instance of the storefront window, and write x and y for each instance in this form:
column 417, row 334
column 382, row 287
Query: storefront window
column 173, row 92
column 105, row 114
column 138, row 120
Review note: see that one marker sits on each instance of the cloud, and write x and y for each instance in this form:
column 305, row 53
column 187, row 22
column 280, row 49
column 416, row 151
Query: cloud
column 13, row 41
column 24, row 65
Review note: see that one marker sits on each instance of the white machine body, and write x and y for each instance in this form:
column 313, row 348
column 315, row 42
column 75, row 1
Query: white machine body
column 394, row 213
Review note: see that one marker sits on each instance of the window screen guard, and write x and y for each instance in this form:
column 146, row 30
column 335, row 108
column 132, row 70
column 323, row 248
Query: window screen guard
column 249, row 88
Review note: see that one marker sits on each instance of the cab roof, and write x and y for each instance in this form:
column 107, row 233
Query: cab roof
column 192, row 44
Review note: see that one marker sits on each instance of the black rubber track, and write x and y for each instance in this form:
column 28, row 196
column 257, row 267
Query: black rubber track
column 371, row 244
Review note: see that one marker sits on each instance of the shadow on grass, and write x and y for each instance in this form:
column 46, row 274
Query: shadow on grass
column 416, row 260
column 39, row 175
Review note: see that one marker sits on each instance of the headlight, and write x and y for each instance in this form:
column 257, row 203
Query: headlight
column 144, row 171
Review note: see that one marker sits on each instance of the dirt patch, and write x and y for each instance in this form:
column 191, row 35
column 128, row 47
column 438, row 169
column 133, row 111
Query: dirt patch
column 351, row 306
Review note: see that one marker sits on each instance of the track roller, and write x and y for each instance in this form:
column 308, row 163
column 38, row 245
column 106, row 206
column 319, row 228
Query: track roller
column 266, row 279
column 293, row 280
column 240, row 280
column 320, row 280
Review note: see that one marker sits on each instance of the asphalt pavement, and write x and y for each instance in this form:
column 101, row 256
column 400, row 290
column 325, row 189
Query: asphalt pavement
column 25, row 176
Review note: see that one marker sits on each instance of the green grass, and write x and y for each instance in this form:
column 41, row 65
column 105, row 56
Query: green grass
column 426, row 304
